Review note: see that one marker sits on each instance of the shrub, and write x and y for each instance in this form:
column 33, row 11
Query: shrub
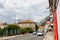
column 27, row 30
column 37, row 27
column 15, row 29
column 12, row 30
column 0, row 32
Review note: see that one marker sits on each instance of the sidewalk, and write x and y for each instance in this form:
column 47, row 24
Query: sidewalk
column 49, row 36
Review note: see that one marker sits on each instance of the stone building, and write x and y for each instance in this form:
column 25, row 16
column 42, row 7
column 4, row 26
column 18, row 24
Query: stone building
column 27, row 23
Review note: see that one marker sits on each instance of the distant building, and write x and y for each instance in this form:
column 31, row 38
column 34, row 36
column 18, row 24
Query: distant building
column 48, row 26
column 27, row 23
column 41, row 27
column 2, row 25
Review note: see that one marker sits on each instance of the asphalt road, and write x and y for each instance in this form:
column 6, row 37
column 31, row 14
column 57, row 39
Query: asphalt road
column 28, row 37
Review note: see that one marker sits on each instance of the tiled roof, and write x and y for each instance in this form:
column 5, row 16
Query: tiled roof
column 27, row 21
column 1, row 23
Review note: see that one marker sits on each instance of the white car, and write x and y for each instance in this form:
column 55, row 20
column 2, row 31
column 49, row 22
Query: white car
column 39, row 34
column 34, row 33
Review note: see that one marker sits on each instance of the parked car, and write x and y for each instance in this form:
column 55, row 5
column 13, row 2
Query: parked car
column 34, row 33
column 40, row 32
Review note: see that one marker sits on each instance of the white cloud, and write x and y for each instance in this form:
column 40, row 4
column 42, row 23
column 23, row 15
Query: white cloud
column 11, row 3
column 24, row 8
column 17, row 17
column 2, row 12
column 14, row 4
column 37, row 18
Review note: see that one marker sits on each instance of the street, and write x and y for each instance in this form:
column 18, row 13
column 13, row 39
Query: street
column 28, row 37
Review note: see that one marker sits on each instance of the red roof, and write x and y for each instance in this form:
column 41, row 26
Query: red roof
column 1, row 23
column 27, row 21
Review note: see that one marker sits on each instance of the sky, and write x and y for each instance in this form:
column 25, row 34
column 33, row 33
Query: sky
column 11, row 10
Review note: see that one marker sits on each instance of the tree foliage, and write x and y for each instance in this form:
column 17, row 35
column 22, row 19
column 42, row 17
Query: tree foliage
column 27, row 30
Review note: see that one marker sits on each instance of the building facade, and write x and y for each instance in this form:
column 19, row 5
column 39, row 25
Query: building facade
column 27, row 23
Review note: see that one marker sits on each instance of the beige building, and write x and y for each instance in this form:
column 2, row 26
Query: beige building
column 27, row 23
column 2, row 25
column 41, row 27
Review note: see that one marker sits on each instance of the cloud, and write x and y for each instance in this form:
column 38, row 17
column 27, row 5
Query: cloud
column 18, row 5
column 1, row 6
column 24, row 9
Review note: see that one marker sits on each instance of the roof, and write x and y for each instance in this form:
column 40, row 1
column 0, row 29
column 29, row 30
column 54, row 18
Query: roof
column 41, row 27
column 26, row 21
column 1, row 23
column 48, row 22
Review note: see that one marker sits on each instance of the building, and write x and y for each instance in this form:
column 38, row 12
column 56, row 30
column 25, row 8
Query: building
column 49, row 24
column 27, row 23
column 41, row 27
column 2, row 25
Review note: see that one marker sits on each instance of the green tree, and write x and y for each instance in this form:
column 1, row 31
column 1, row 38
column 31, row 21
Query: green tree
column 27, row 30
column 0, row 32
column 11, row 29
column 14, row 29
column 36, row 27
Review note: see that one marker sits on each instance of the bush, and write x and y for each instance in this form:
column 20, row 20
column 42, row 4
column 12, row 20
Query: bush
column 0, row 32
column 15, row 29
column 13, row 26
column 12, row 30
column 27, row 30
column 37, row 27
column 3, row 31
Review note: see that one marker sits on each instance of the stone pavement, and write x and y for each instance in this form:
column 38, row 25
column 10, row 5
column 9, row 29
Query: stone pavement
column 49, row 36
